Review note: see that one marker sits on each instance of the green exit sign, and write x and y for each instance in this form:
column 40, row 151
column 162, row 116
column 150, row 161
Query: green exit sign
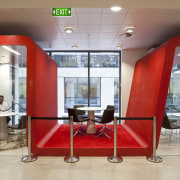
column 61, row 11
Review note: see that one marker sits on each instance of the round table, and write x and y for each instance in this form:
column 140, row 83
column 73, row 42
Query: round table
column 91, row 128
column 3, row 123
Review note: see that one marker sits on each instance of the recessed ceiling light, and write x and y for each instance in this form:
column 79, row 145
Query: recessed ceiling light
column 130, row 29
column 68, row 29
column 118, row 46
column 178, row 54
column 116, row 8
column 74, row 46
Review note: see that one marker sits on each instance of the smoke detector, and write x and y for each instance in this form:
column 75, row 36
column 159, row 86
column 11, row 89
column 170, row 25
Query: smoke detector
column 125, row 35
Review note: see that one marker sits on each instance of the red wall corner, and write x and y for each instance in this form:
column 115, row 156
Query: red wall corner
column 149, row 90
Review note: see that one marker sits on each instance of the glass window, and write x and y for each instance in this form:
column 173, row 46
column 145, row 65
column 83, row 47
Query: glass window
column 105, row 66
column 104, row 60
column 71, row 59
column 173, row 98
column 72, row 81
column 76, row 92
column 73, row 72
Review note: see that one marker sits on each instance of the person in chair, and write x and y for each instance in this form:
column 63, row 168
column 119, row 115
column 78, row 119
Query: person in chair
column 4, row 107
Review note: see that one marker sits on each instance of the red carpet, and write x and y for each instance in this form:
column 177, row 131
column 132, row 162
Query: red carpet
column 59, row 143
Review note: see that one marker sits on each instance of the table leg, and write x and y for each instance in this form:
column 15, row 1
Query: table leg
column 3, row 128
column 91, row 128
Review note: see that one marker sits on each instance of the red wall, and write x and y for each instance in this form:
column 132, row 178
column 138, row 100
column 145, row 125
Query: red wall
column 147, row 98
column 41, row 86
column 149, row 90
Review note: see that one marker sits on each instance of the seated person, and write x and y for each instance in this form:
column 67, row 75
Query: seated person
column 4, row 107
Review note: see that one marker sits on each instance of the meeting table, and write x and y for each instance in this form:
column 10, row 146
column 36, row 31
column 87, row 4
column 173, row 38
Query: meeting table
column 91, row 128
column 3, row 124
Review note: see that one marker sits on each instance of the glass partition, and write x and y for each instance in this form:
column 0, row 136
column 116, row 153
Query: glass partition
column 13, row 87
column 173, row 98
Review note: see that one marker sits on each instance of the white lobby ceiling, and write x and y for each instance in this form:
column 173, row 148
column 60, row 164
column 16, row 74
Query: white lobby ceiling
column 96, row 27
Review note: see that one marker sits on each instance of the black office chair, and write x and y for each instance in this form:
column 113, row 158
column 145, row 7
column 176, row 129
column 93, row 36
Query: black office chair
column 80, row 114
column 108, row 107
column 72, row 112
column 169, row 124
column 107, row 117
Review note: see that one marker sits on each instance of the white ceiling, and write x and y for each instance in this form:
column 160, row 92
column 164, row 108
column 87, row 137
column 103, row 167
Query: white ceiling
column 90, row 4
column 94, row 28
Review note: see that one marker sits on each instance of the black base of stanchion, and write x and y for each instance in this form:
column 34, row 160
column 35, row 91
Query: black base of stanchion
column 70, row 159
column 155, row 159
column 27, row 158
column 115, row 159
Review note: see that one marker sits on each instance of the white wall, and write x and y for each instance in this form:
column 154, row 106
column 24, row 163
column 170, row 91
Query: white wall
column 107, row 92
column 129, row 57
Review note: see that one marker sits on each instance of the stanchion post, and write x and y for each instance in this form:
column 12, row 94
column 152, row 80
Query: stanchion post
column 153, row 157
column 30, row 157
column 71, row 158
column 115, row 158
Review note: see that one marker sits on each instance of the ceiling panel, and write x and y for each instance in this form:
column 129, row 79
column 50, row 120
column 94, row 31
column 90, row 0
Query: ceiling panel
column 89, row 18
column 93, row 27
column 88, row 28
column 109, row 28
column 113, row 18
column 89, row 10
column 86, row 36
column 135, row 19
column 69, row 20
column 106, row 36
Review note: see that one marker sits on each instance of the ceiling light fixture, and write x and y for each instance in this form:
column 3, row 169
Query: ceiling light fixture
column 118, row 46
column 129, row 29
column 116, row 8
column 74, row 46
column 11, row 50
column 178, row 54
column 68, row 29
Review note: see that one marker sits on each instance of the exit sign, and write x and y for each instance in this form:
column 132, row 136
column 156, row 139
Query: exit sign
column 61, row 11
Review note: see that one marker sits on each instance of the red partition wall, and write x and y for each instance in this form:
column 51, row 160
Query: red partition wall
column 41, row 88
column 147, row 98
column 149, row 92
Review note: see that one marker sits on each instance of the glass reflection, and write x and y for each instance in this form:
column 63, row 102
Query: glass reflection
column 173, row 98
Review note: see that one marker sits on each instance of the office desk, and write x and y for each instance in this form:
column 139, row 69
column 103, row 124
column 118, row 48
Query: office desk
column 176, row 114
column 3, row 123
column 91, row 128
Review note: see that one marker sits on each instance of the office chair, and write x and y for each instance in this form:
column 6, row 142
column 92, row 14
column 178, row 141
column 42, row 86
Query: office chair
column 169, row 124
column 107, row 117
column 80, row 114
column 108, row 107
column 72, row 112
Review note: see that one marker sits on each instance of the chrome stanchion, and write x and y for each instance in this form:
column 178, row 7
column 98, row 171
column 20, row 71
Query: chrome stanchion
column 115, row 159
column 153, row 157
column 30, row 157
column 71, row 158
